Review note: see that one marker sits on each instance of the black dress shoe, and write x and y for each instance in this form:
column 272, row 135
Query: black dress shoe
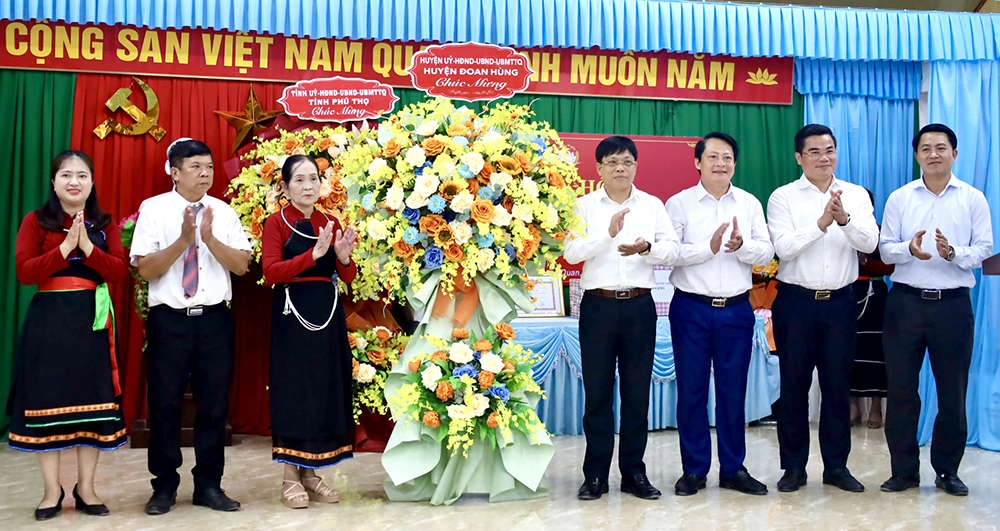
column 94, row 510
column 895, row 484
column 689, row 485
column 160, row 502
column 843, row 480
column 744, row 483
column 592, row 489
column 792, row 480
column 51, row 512
column 951, row 484
column 215, row 499
column 638, row 486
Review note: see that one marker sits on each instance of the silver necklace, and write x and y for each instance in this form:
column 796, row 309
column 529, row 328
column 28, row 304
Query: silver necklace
column 289, row 225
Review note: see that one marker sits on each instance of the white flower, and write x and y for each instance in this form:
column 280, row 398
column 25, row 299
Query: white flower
column 491, row 362
column 416, row 200
column 329, row 174
column 462, row 201
column 333, row 151
column 394, row 198
column 426, row 184
column 502, row 179
column 551, row 218
column 500, row 216
column 377, row 230
column 430, row 376
column 339, row 138
column 415, row 156
column 485, row 260
column 365, row 373
column 428, row 128
column 377, row 328
column 361, row 342
column 474, row 161
column 461, row 230
column 458, row 411
column 460, row 353
column 480, row 403
column 523, row 213
column 529, row 186
column 492, row 136
column 377, row 165
column 325, row 188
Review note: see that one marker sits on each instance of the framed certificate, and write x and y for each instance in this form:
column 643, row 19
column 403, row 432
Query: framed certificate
column 548, row 298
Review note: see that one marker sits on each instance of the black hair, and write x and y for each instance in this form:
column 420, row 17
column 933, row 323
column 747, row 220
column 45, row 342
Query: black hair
column 291, row 162
column 699, row 148
column 185, row 150
column 812, row 130
column 936, row 128
column 50, row 215
column 614, row 145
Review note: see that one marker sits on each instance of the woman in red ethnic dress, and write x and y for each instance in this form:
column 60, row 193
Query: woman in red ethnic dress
column 66, row 391
column 303, row 253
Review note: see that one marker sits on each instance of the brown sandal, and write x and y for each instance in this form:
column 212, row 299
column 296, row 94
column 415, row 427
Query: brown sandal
column 292, row 497
column 318, row 491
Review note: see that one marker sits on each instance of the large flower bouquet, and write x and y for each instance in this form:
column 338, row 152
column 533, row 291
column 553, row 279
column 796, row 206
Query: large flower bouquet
column 469, row 387
column 255, row 193
column 375, row 351
column 442, row 188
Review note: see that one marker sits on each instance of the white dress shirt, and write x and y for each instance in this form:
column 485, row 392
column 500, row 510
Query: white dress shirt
column 811, row 258
column 696, row 215
column 603, row 265
column 159, row 225
column 962, row 214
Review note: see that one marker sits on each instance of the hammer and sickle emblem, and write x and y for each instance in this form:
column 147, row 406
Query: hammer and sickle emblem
column 145, row 122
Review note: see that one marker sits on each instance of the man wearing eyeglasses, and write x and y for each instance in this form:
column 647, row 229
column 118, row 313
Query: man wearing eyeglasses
column 711, row 320
column 627, row 233
column 818, row 224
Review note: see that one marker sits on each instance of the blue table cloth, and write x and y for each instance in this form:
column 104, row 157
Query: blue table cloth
column 556, row 340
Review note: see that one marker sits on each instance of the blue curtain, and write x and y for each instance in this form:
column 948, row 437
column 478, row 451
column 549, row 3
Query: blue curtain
column 966, row 97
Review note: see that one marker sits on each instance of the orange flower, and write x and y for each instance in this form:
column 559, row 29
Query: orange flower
column 457, row 130
column 403, row 250
column 392, row 148
column 383, row 334
column 483, row 345
column 556, row 180
column 324, row 144
column 322, row 164
column 432, row 224
column 529, row 285
column 484, row 174
column 248, row 195
column 256, row 230
column 290, row 145
column 509, row 165
column 439, row 356
column 267, row 170
column 377, row 356
column 445, row 392
column 258, row 214
column 527, row 250
column 473, row 185
column 414, row 365
column 449, row 189
column 508, row 366
column 460, row 333
column 505, row 331
column 482, row 211
column 493, row 420
column 454, row 253
column 338, row 195
column 559, row 236
column 508, row 203
column 431, row 419
column 444, row 237
column 485, row 379
column 524, row 161
column 352, row 340
column 354, row 366
column 432, row 146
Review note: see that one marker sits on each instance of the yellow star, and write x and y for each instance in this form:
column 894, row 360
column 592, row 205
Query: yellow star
column 251, row 120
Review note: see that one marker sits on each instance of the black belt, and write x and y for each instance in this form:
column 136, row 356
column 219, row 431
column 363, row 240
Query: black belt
column 193, row 311
column 620, row 294
column 932, row 294
column 718, row 302
column 817, row 294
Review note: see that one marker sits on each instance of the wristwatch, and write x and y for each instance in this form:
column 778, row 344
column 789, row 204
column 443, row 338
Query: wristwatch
column 951, row 253
column 844, row 224
column 648, row 247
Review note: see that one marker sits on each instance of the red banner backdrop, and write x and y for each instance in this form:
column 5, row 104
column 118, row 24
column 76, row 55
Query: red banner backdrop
column 226, row 55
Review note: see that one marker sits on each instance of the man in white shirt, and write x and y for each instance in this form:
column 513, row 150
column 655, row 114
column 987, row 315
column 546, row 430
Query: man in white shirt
column 711, row 320
column 929, row 309
column 627, row 233
column 818, row 225
column 186, row 244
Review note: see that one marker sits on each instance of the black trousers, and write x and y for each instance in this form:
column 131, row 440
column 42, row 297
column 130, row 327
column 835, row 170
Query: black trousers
column 199, row 349
column 818, row 334
column 621, row 332
column 944, row 329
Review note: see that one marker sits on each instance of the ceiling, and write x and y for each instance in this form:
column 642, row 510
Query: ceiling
column 912, row 5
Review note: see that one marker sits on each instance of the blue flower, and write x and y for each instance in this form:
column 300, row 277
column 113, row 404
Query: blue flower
column 412, row 215
column 464, row 171
column 411, row 235
column 436, row 204
column 418, row 171
column 500, row 392
column 464, row 217
column 511, row 252
column 540, row 143
column 485, row 193
column 465, row 370
column 485, row 240
column 461, row 140
column 368, row 201
column 433, row 257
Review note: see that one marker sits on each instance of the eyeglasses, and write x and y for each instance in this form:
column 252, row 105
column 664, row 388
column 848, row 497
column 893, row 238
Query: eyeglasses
column 815, row 153
column 614, row 164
